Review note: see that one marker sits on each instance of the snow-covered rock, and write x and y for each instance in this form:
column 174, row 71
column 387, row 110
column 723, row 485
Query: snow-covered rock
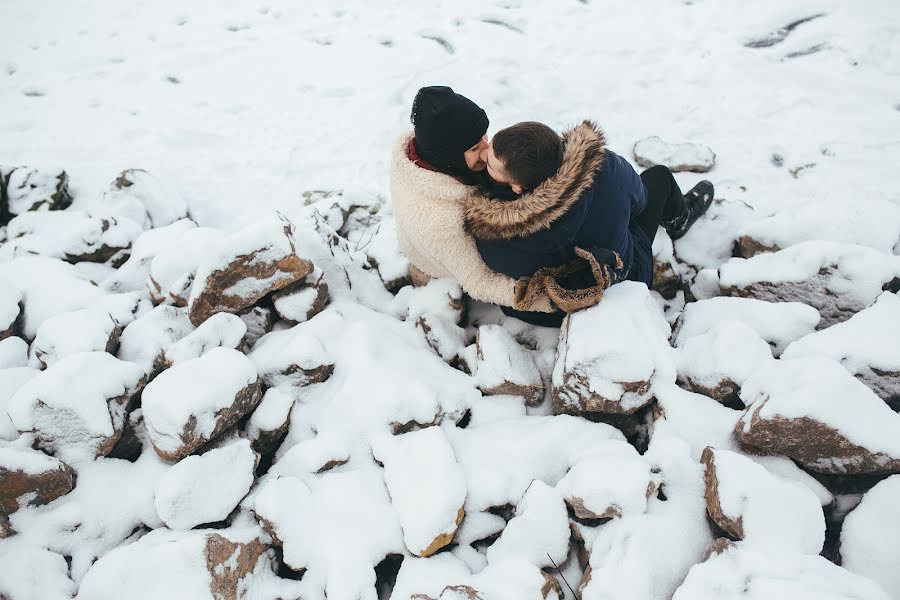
column 145, row 199
column 688, row 156
column 426, row 485
column 13, row 353
column 814, row 411
column 335, row 529
column 76, row 408
column 751, row 504
column 10, row 311
column 384, row 249
column 870, row 533
column 220, row 330
column 196, row 400
column 303, row 300
column 145, row 341
column 31, row 478
column 445, row 577
column 609, row 484
column 742, row 572
column 866, row 345
column 837, row 279
column 610, row 354
column 173, row 268
column 269, row 422
column 504, row 367
column 539, row 528
column 203, row 564
column 48, row 287
column 71, row 235
column 34, row 189
column 206, row 488
column 134, row 273
column 246, row 266
column 718, row 362
column 85, row 330
column 259, row 321
column 778, row 323
column 11, row 379
column 31, row 572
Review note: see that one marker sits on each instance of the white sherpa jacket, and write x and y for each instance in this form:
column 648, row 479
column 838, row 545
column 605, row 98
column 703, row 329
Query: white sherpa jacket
column 428, row 210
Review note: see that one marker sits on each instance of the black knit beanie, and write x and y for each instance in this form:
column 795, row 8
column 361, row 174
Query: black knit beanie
column 446, row 125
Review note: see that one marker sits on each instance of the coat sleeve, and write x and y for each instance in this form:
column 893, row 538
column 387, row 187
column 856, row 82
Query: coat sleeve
column 464, row 262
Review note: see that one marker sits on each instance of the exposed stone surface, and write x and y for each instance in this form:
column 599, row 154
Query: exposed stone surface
column 504, row 367
column 31, row 478
column 173, row 269
column 259, row 321
column 24, row 189
column 302, row 300
column 249, row 264
column 71, row 235
column 747, row 247
column 145, row 199
column 228, row 562
column 652, row 151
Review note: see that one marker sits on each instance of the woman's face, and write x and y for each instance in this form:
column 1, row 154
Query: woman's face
column 474, row 155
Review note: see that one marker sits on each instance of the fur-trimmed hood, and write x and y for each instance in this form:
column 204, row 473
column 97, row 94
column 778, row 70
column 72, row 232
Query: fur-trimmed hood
column 584, row 150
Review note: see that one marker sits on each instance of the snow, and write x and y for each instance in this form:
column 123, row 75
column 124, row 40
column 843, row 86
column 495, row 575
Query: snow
column 206, row 488
column 426, row 485
column 865, row 341
column 192, row 393
column 820, row 389
column 133, row 274
column 539, row 533
column 69, row 405
column 496, row 408
column 678, row 157
column 337, row 528
column 502, row 361
column 774, row 514
column 145, row 341
column 31, row 572
column 11, row 379
column 220, row 330
column 173, row 268
column 869, row 536
column 13, row 353
column 620, row 340
column 778, row 323
column 67, row 234
column 152, row 202
column 752, row 573
column 10, row 309
column 85, row 330
column 30, row 462
column 273, row 412
column 610, row 483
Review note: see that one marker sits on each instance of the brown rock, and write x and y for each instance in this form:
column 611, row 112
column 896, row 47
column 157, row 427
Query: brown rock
column 453, row 592
column 313, row 303
column 191, row 440
column 813, row 444
column 725, row 391
column 733, row 527
column 444, row 538
column 588, row 401
column 25, row 189
column 6, row 530
column 229, row 562
column 256, row 274
column 505, row 367
column 259, row 321
column 18, row 488
column 665, row 280
column 418, row 277
column 746, row 247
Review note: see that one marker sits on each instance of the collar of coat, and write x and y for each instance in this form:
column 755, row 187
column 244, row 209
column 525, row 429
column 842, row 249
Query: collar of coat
column 584, row 149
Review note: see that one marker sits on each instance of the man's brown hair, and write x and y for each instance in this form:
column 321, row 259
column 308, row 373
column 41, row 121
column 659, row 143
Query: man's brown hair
column 530, row 151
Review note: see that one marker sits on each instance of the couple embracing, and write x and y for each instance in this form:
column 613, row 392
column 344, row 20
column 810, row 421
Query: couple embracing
column 538, row 223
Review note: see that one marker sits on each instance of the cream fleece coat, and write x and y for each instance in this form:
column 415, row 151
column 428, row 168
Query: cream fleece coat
column 429, row 211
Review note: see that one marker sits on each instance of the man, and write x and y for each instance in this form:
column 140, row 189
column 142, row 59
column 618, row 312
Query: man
column 577, row 200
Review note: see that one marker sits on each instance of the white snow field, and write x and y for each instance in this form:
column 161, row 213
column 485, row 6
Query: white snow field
column 217, row 381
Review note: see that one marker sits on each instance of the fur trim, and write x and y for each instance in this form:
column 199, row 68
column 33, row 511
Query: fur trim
column 548, row 281
column 583, row 153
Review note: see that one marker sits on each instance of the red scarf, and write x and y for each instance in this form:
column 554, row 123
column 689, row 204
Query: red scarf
column 418, row 160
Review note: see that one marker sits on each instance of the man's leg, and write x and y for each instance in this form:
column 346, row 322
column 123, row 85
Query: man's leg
column 664, row 200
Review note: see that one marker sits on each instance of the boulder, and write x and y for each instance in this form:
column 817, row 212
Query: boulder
column 270, row 420
column 134, row 273
column 10, row 312
column 31, row 478
column 303, row 300
column 201, row 564
column 296, row 357
column 222, row 330
column 652, row 151
column 751, row 504
column 869, row 536
column 77, row 407
column 146, row 340
column 745, row 572
column 426, row 485
column 503, row 367
column 197, row 400
column 609, row 354
column 866, row 345
column 814, row 411
column 13, row 353
column 609, row 484
column 24, row 189
column 206, row 488
column 836, row 279
column 71, row 235
column 247, row 265
column 85, row 330
column 383, row 248
column 143, row 198
column 31, row 572
column 259, row 321
column 538, row 533
column 173, row 268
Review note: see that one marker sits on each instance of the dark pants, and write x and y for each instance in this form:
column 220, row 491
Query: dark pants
column 664, row 200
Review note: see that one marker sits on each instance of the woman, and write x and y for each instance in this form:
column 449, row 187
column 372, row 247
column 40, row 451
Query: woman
column 432, row 170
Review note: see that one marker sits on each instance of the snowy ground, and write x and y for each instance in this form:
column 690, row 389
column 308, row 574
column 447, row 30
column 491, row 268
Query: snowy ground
column 238, row 109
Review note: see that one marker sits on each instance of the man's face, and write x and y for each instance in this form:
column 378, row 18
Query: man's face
column 473, row 155
column 497, row 170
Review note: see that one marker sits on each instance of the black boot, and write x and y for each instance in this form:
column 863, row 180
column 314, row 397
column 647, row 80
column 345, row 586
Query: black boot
column 696, row 202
